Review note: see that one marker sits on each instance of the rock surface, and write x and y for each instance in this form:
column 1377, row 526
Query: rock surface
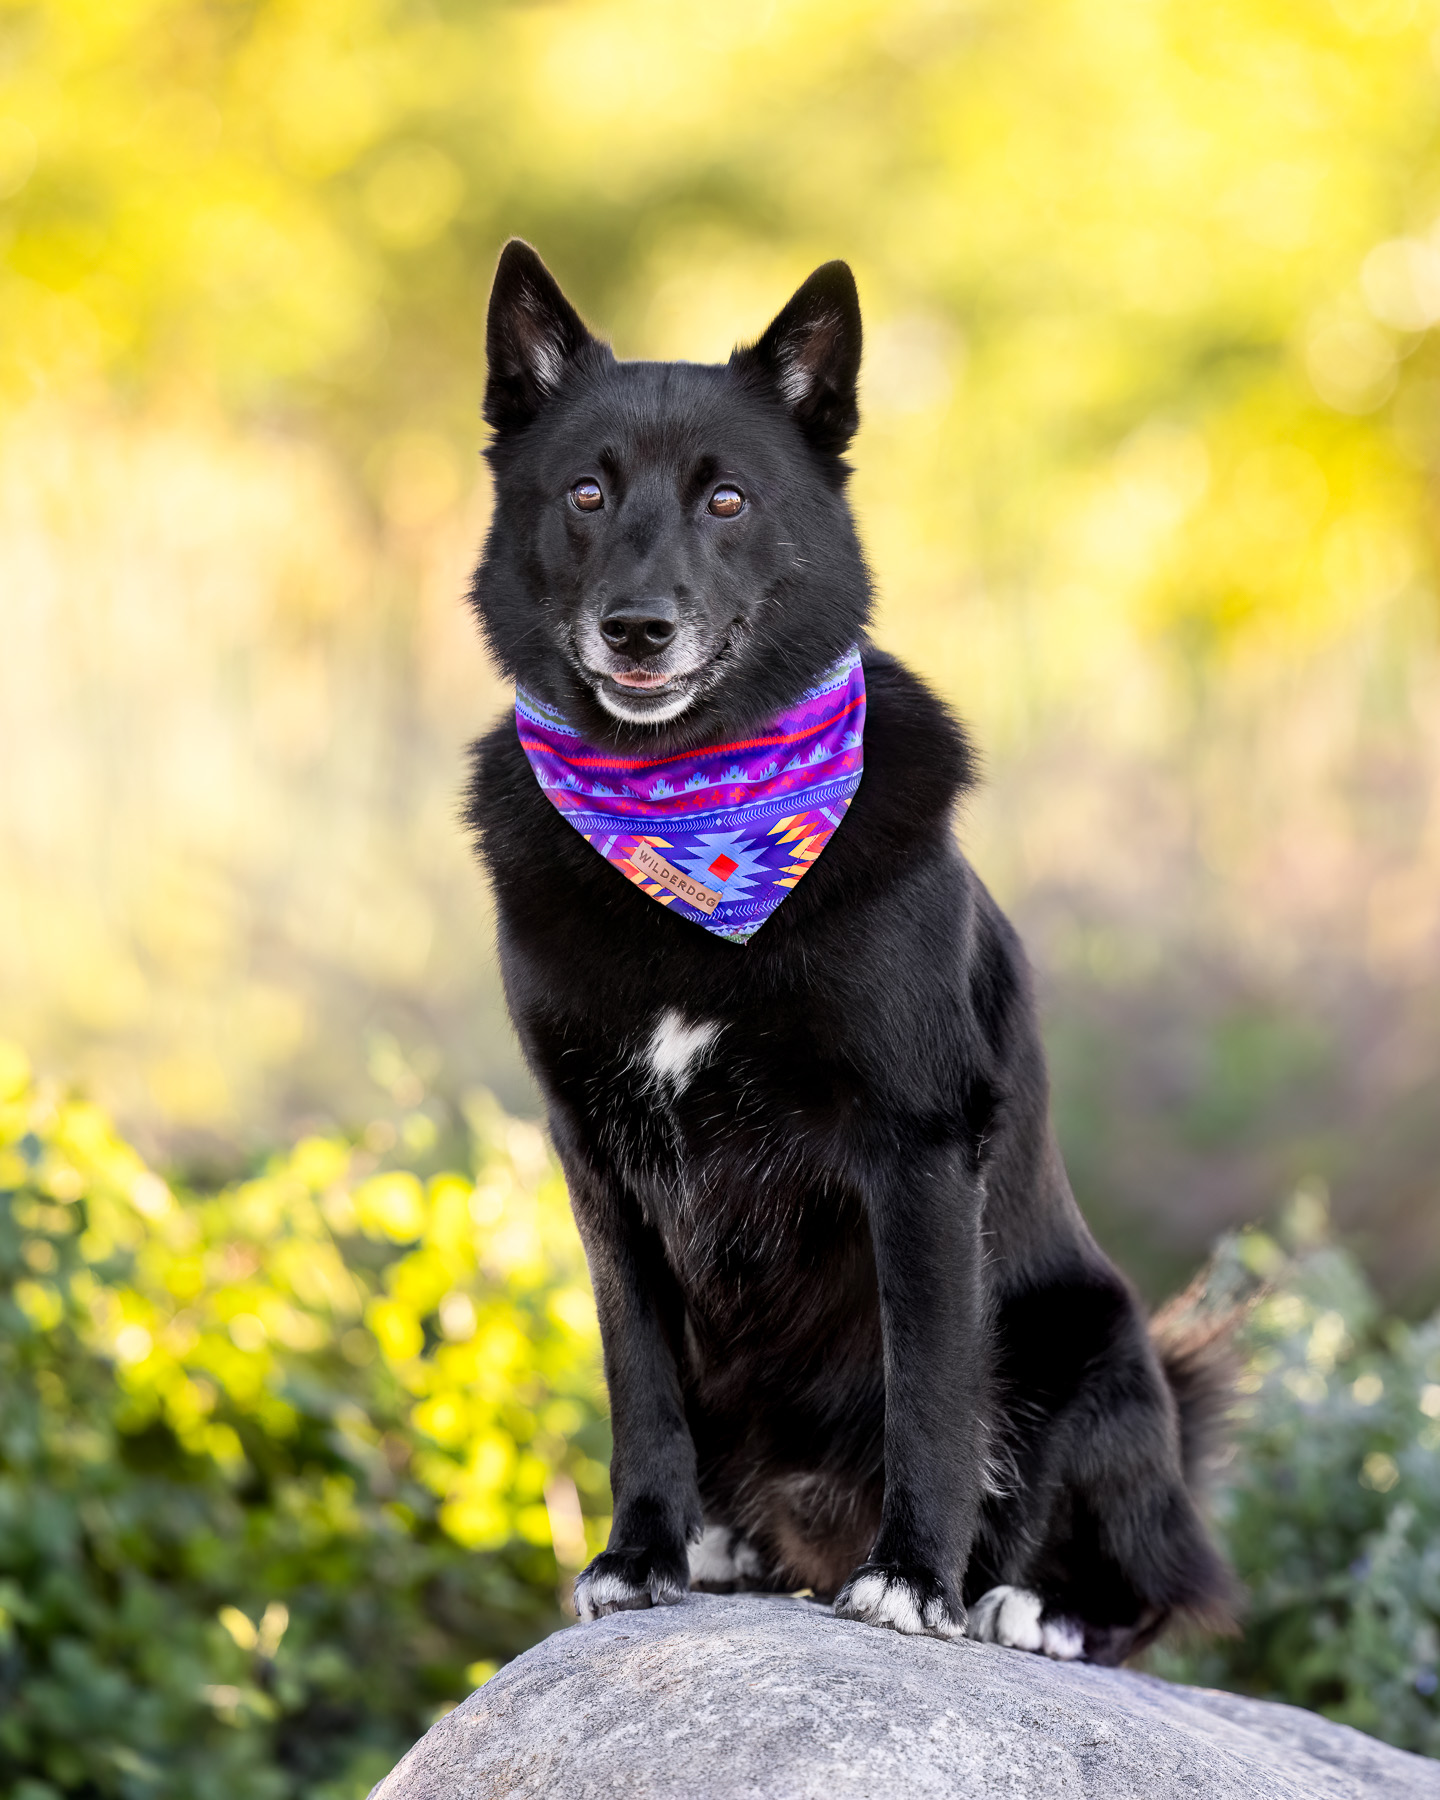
column 772, row 1699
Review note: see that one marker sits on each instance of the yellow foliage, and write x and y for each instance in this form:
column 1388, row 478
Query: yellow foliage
column 40, row 1303
column 392, row 1206
column 14, row 1070
column 236, row 1297
column 396, row 1329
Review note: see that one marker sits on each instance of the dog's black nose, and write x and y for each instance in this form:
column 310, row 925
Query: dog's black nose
column 639, row 627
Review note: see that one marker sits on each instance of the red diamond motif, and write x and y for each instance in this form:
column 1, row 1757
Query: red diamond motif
column 723, row 867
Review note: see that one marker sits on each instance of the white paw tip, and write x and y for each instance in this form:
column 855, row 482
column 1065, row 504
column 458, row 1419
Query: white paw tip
column 1062, row 1639
column 597, row 1594
column 1010, row 1616
column 891, row 1601
column 723, row 1555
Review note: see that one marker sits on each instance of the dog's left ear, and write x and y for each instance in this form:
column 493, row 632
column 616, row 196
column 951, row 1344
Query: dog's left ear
column 532, row 334
column 810, row 356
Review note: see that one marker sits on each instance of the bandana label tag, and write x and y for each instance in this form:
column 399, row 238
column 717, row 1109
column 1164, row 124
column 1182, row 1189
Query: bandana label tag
column 645, row 859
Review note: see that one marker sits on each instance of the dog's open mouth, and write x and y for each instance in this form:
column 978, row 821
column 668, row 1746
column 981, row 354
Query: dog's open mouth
column 643, row 696
column 650, row 696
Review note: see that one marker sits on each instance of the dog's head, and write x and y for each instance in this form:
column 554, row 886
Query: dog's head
column 671, row 553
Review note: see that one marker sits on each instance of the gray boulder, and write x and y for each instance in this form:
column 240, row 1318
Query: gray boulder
column 772, row 1699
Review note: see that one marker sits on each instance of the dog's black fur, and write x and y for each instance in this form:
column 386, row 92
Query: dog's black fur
column 854, row 1324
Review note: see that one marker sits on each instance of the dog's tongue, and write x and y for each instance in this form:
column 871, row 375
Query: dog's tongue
column 637, row 678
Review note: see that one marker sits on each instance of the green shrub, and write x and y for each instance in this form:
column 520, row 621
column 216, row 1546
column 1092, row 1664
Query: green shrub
column 1330, row 1504
column 283, row 1468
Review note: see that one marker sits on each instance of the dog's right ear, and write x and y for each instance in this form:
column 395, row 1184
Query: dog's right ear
column 532, row 334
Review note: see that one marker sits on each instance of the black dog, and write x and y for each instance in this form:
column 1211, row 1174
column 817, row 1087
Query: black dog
column 857, row 1335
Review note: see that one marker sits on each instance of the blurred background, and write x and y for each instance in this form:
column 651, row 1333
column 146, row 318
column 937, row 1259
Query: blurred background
column 1147, row 476
column 302, row 1428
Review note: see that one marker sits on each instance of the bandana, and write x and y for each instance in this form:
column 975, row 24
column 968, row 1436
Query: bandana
column 719, row 835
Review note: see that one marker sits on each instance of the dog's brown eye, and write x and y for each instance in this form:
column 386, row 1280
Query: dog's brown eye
column 587, row 496
column 725, row 502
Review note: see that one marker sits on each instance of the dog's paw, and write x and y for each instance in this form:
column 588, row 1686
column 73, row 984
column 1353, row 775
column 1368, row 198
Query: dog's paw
column 724, row 1561
column 626, row 1580
column 1012, row 1616
column 904, row 1599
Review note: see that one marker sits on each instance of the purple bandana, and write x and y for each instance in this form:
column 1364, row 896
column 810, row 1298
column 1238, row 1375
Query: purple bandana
column 718, row 835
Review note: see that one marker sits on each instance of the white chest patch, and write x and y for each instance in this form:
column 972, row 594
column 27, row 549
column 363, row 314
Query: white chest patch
column 675, row 1047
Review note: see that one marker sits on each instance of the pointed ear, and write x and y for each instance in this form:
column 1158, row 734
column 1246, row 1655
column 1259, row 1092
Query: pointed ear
column 810, row 357
column 532, row 334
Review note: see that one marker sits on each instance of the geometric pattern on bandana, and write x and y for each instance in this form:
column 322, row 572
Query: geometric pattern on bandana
column 720, row 835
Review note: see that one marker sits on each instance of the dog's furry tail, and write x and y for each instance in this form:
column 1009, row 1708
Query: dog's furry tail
column 1195, row 1340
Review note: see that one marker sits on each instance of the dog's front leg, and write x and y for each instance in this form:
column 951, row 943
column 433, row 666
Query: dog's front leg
column 652, row 1467
column 925, row 1225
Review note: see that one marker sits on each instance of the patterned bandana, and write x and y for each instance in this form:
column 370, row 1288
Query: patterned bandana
column 719, row 835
